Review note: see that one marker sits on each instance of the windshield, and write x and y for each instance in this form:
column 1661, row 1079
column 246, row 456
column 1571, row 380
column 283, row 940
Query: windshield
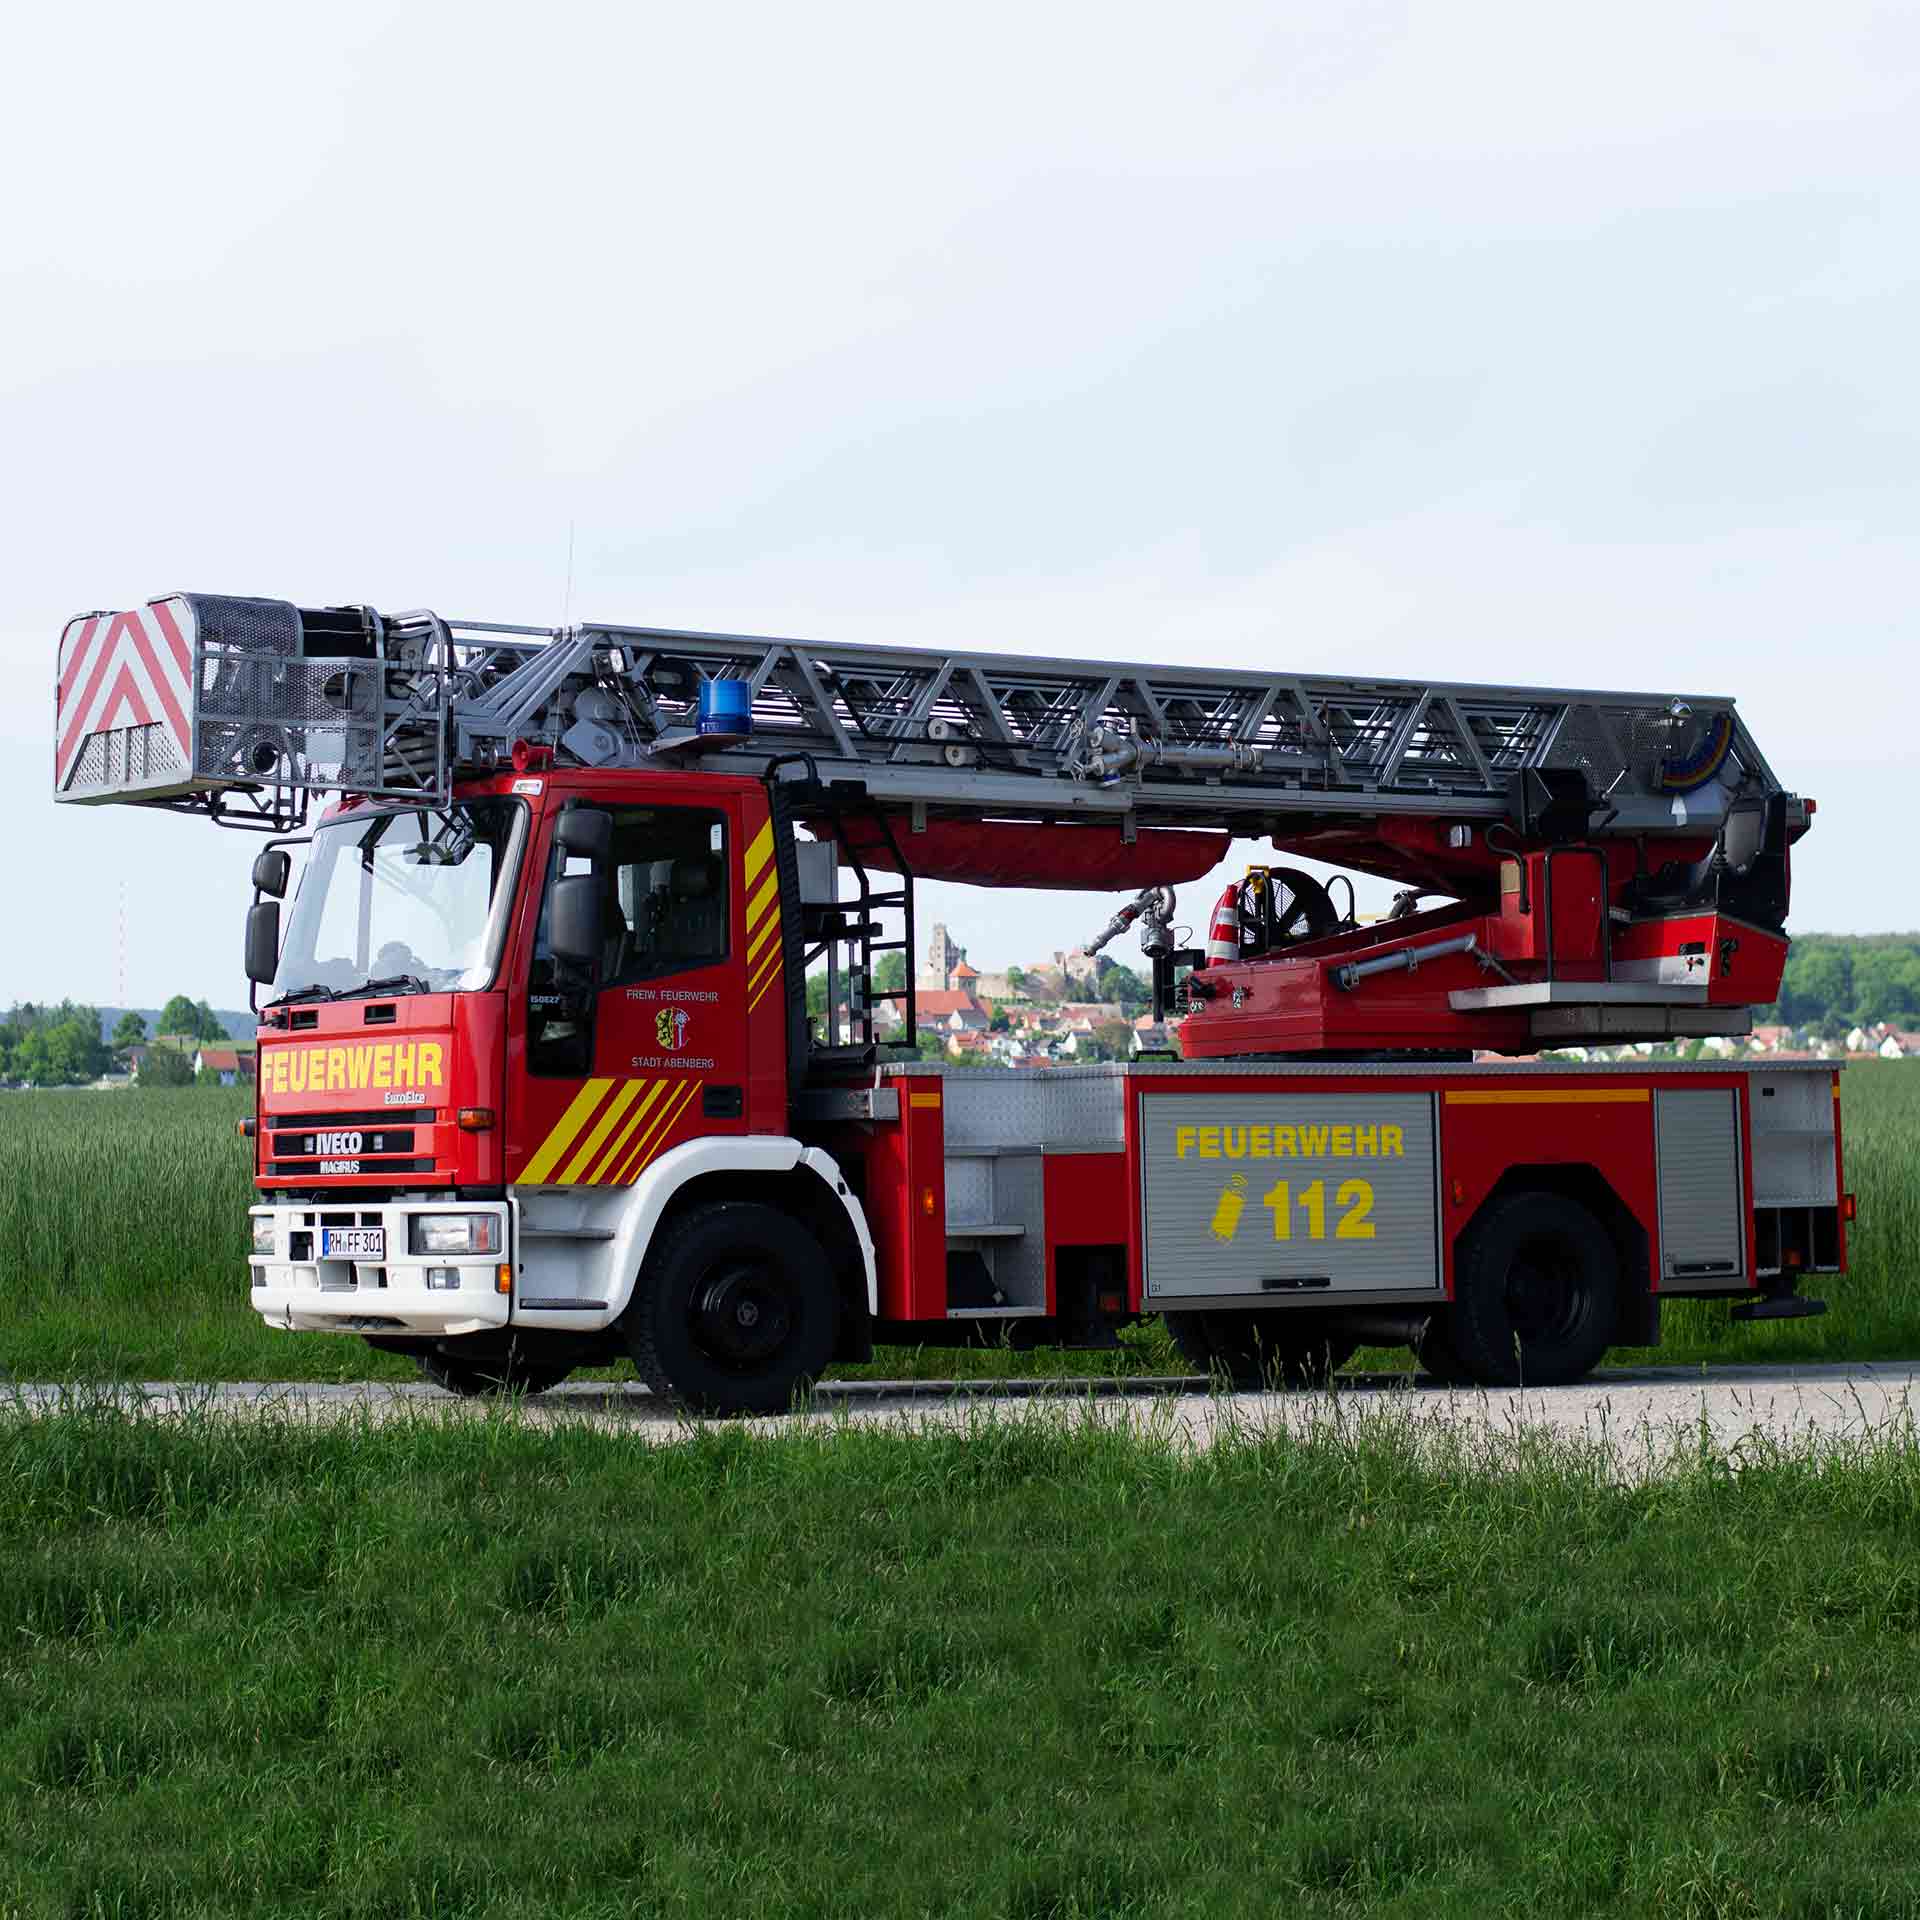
column 404, row 902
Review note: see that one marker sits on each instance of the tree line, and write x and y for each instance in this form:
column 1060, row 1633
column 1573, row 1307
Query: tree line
column 66, row 1045
column 1835, row 981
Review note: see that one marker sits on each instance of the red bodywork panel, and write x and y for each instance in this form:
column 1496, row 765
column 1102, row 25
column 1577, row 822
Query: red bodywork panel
column 905, row 1197
column 1486, row 1131
column 1290, row 1002
column 1488, row 1128
column 369, row 1090
column 1028, row 853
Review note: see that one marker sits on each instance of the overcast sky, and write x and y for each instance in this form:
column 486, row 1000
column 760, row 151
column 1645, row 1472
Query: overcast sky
column 1485, row 341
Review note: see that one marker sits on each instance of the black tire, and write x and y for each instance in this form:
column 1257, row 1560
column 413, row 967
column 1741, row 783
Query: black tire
column 1258, row 1347
column 472, row 1376
column 1536, row 1293
column 1439, row 1358
column 736, row 1310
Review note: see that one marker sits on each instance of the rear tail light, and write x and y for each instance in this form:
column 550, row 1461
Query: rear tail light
column 1846, row 1206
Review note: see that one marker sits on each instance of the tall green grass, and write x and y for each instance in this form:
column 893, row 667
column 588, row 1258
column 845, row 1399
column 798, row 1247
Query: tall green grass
column 1034, row 1671
column 123, row 1255
column 123, row 1243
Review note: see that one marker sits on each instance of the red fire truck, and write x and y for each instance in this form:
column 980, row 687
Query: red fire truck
column 538, row 1085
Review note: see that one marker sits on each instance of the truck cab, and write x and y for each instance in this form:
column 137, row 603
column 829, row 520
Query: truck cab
column 499, row 1038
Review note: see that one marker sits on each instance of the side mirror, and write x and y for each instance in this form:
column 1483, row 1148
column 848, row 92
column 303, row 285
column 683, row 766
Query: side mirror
column 573, row 927
column 263, row 940
column 271, row 871
column 586, row 832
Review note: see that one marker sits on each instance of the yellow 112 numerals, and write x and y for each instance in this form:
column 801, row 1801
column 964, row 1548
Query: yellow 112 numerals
column 1354, row 1199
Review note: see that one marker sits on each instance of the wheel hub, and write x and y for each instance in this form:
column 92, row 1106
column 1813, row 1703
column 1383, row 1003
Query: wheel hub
column 1546, row 1293
column 741, row 1315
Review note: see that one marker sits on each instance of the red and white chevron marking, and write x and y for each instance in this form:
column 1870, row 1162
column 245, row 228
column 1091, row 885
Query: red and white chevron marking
column 123, row 670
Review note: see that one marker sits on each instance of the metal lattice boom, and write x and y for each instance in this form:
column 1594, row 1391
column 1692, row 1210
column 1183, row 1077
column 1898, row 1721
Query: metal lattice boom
column 289, row 701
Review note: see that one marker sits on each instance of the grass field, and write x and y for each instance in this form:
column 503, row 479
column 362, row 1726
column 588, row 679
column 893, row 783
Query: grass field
column 1038, row 1671
column 123, row 1250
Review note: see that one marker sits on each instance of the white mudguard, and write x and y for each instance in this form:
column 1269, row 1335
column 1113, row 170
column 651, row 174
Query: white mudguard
column 578, row 1251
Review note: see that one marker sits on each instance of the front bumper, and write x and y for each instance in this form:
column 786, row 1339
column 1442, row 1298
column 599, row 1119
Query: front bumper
column 291, row 1288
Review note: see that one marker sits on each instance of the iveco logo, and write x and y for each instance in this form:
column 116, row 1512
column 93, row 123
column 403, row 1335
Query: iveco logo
column 336, row 1142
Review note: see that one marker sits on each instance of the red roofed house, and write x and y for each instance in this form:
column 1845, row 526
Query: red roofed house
column 955, row 1009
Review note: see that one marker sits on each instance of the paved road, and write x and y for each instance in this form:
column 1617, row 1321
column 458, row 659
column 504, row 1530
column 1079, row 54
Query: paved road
column 1641, row 1415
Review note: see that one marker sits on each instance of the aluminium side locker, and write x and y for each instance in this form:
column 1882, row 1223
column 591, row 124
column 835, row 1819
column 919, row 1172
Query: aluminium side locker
column 1321, row 1192
column 1698, row 1159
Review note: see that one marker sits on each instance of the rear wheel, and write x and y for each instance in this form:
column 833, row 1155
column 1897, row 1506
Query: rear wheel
column 736, row 1310
column 1536, row 1292
column 1257, row 1348
column 472, row 1376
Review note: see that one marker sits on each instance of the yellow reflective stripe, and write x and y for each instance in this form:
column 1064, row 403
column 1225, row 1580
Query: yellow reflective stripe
column 561, row 1138
column 759, row 853
column 757, row 905
column 655, row 1129
column 618, row 1105
column 1552, row 1097
column 613, row 1153
column 760, row 939
column 765, row 972
column 665, row 1133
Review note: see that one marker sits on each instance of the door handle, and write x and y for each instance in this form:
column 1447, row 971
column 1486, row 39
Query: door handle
column 722, row 1103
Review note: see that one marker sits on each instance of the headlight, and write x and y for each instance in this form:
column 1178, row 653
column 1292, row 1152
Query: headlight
column 263, row 1233
column 455, row 1233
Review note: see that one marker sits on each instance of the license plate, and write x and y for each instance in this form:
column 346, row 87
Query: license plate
column 353, row 1243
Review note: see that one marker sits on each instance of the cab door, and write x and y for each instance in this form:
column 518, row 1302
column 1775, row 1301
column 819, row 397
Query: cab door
column 647, row 1048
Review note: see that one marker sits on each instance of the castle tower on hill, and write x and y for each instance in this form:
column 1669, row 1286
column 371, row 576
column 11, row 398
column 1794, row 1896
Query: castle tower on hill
column 936, row 976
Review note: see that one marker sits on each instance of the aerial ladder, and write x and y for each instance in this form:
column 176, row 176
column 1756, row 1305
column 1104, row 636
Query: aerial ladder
column 1606, row 865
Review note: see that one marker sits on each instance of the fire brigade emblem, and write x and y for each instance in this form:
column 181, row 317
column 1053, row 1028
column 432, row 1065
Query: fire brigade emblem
column 670, row 1028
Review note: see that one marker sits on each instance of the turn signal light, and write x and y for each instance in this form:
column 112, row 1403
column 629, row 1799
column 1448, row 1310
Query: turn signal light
column 926, row 1201
column 503, row 1280
column 244, row 1128
column 475, row 1119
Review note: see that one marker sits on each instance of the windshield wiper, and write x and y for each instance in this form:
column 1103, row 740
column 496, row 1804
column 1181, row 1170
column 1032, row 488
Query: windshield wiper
column 314, row 992
column 393, row 983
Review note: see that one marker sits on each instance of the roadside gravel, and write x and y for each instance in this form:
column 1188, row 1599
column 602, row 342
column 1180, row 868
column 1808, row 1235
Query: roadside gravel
column 1641, row 1417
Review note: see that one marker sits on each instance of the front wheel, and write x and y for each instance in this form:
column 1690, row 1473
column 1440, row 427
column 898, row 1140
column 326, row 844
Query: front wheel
column 1257, row 1347
column 735, row 1312
column 1535, row 1293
